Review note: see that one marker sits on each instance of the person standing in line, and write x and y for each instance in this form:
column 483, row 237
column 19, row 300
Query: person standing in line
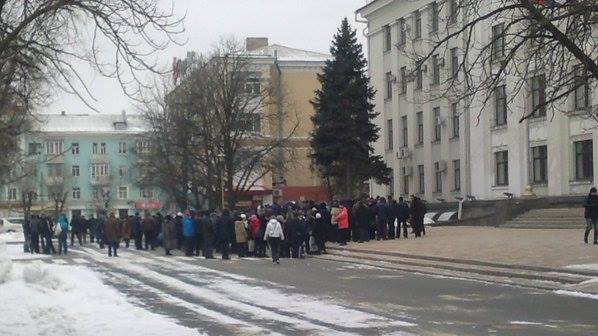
column 402, row 216
column 343, row 225
column 591, row 215
column 34, row 231
column 84, row 225
column 417, row 215
column 136, row 228
column 76, row 230
column 273, row 235
column 225, row 233
column 126, row 230
column 241, row 226
column 188, row 233
column 392, row 216
column 46, row 232
column 63, row 223
column 92, row 223
column 254, row 228
column 149, row 227
column 382, row 219
column 112, row 234
column 208, row 233
column 260, row 243
column 101, row 225
column 362, row 220
column 334, row 232
column 168, row 235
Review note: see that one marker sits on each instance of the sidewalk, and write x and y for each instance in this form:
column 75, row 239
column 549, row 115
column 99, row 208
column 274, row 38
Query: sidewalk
column 526, row 247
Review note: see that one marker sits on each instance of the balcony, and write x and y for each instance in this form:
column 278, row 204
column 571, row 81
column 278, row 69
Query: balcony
column 100, row 158
column 99, row 181
column 54, row 158
column 54, row 180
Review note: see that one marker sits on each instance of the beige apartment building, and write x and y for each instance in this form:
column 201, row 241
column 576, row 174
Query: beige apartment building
column 440, row 149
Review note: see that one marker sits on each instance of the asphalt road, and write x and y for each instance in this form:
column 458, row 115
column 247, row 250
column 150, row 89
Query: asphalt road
column 313, row 296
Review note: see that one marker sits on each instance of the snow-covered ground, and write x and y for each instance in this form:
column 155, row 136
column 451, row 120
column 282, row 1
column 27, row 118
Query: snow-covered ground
column 12, row 237
column 43, row 299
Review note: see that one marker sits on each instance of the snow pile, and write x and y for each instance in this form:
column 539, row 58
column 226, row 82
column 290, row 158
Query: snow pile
column 43, row 299
column 13, row 237
column 5, row 263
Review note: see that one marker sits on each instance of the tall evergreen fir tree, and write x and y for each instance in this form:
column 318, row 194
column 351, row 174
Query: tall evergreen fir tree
column 343, row 130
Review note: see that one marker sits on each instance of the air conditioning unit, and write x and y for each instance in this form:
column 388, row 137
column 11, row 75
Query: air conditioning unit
column 277, row 192
column 441, row 166
column 408, row 171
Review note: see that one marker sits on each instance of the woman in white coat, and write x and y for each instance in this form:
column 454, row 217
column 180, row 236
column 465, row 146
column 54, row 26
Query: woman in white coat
column 273, row 236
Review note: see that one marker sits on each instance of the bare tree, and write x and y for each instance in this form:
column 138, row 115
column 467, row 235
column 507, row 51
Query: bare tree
column 44, row 43
column 542, row 51
column 222, row 125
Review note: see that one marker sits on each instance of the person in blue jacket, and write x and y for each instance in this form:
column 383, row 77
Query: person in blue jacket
column 188, row 233
column 64, row 228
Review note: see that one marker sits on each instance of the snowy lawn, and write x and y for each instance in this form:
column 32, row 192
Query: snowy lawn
column 44, row 299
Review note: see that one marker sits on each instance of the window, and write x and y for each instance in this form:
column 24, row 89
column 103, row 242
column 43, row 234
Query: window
column 99, row 169
column 402, row 32
column 146, row 193
column 54, row 170
column 455, row 118
column 103, row 148
column 456, row 175
column 391, row 184
column 122, row 147
column 389, row 134
column 437, row 124
column 434, row 17
column 421, row 177
column 436, row 70
column 453, row 10
column 539, row 158
column 498, row 41
column 388, row 90
column 123, row 171
column 438, row 173
column 500, row 105
column 417, row 23
column 75, row 170
column 53, row 147
column 253, row 86
column 144, row 146
column 405, row 181
column 405, row 131
column 94, row 148
column 502, row 168
column 76, row 193
column 419, row 78
column 582, row 89
column 387, row 38
column 584, row 161
column 250, row 122
column 123, row 192
column 33, row 148
column 75, row 148
column 12, row 194
column 454, row 63
column 539, row 96
column 403, row 80
column 420, row 128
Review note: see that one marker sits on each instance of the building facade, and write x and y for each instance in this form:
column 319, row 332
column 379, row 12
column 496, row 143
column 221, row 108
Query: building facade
column 440, row 149
column 92, row 161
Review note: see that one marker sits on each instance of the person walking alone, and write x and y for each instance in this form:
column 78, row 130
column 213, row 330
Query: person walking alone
column 591, row 214
column 112, row 233
column 273, row 236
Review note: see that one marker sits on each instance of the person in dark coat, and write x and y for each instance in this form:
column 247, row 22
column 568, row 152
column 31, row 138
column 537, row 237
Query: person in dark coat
column 126, row 230
column 372, row 214
column 207, row 233
column 319, row 232
column 76, row 229
column 92, row 223
column 382, row 219
column 112, row 233
column 225, row 233
column 402, row 213
column 392, row 216
column 101, row 225
column 169, row 241
column 47, row 233
column 137, row 230
column 296, row 232
column 417, row 215
column 362, row 221
column 149, row 229
column 34, row 232
column 198, row 239
column 260, row 243
column 84, row 228
column 591, row 215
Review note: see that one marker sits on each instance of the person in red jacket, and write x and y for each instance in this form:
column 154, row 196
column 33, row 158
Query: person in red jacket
column 342, row 219
column 254, row 234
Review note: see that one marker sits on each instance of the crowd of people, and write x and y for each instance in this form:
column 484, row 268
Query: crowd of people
column 293, row 229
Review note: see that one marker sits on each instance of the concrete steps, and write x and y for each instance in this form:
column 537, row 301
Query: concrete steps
column 551, row 218
column 524, row 276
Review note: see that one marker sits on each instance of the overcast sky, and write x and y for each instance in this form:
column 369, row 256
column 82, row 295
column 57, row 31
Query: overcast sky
column 303, row 24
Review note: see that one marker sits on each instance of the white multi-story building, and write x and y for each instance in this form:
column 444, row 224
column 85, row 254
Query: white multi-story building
column 440, row 149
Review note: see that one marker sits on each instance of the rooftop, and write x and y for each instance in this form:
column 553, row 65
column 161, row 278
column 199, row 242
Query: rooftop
column 287, row 54
column 121, row 123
